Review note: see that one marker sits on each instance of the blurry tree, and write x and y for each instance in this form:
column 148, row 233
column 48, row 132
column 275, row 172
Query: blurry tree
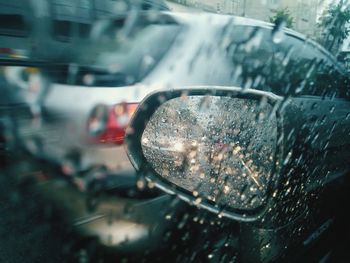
column 334, row 25
column 282, row 15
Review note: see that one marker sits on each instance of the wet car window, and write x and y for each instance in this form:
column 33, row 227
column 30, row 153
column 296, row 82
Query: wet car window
column 287, row 66
column 181, row 131
column 119, row 62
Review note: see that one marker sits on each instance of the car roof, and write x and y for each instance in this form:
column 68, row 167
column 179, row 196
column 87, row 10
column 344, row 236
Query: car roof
column 212, row 19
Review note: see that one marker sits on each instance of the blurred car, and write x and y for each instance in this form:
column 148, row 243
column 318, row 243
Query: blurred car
column 268, row 152
column 88, row 104
column 59, row 34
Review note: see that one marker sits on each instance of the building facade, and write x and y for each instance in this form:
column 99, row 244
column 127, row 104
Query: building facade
column 304, row 12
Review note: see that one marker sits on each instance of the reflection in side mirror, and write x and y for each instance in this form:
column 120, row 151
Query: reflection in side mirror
column 247, row 155
column 219, row 148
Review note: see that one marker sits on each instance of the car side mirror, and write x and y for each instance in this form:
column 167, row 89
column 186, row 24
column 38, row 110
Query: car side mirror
column 244, row 154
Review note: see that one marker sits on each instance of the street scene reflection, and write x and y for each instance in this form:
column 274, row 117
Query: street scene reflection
column 180, row 130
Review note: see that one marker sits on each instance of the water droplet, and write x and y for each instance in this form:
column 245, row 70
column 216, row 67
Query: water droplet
column 197, row 201
column 168, row 217
column 278, row 33
column 226, row 189
column 347, row 116
column 141, row 183
column 151, row 185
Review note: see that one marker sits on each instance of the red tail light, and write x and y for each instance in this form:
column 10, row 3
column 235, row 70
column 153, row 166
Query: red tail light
column 106, row 125
column 6, row 52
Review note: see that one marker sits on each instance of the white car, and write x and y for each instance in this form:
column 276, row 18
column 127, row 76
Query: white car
column 85, row 106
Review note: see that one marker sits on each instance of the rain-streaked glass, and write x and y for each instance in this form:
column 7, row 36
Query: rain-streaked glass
column 219, row 148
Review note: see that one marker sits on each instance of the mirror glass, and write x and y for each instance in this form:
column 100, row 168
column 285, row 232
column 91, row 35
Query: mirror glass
column 220, row 149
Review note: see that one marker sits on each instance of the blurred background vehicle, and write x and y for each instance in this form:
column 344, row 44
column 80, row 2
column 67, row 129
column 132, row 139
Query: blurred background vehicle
column 57, row 39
